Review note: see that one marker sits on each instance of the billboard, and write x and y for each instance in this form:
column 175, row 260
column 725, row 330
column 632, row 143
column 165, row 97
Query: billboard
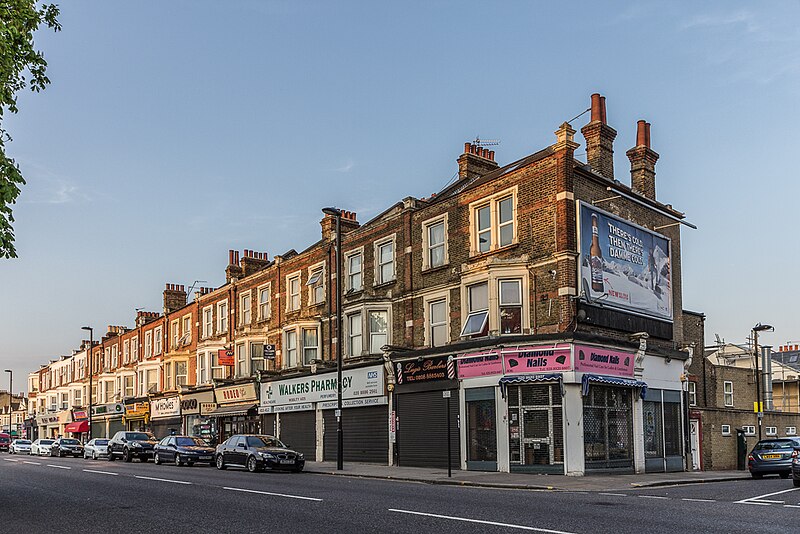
column 623, row 265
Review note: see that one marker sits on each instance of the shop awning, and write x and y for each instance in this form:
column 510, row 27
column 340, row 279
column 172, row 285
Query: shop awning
column 522, row 379
column 614, row 381
column 239, row 409
column 77, row 427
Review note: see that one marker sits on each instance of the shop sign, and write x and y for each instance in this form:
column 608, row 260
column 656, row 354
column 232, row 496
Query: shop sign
column 355, row 403
column 478, row 364
column 303, row 407
column 525, row 360
column 356, row 383
column 65, row 416
column 106, row 410
column 79, row 415
column 225, row 356
column 44, row 420
column 269, row 351
column 604, row 361
column 137, row 410
column 190, row 404
column 207, row 407
column 167, row 407
column 413, row 371
column 237, row 394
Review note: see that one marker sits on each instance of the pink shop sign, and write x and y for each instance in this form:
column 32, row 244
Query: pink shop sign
column 525, row 360
column 604, row 361
column 480, row 364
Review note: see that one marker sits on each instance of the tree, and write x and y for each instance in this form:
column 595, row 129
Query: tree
column 21, row 66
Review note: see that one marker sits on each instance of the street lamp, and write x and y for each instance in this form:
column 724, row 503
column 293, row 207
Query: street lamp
column 91, row 368
column 337, row 213
column 10, row 393
column 759, row 403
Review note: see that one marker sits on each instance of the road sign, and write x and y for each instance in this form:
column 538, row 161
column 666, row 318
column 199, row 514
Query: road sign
column 269, row 351
column 446, row 394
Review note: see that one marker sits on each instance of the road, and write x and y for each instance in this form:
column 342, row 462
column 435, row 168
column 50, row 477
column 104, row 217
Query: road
column 75, row 495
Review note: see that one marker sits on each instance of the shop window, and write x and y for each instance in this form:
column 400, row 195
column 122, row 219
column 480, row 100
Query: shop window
column 222, row 317
column 378, row 331
column 535, row 425
column 354, row 267
column 354, row 344
column 437, row 314
column 608, row 427
column 692, row 386
column 477, row 322
column 728, row 393
column 510, row 306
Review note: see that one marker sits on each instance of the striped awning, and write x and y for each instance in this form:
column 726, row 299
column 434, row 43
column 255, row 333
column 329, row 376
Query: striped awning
column 237, row 409
column 523, row 379
column 613, row 381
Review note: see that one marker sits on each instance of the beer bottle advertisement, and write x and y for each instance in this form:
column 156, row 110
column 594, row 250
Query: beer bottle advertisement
column 623, row 264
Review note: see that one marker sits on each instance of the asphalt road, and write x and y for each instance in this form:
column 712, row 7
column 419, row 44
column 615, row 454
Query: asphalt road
column 74, row 495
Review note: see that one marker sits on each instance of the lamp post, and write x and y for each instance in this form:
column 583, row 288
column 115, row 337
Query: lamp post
column 91, row 368
column 337, row 213
column 759, row 403
column 10, row 393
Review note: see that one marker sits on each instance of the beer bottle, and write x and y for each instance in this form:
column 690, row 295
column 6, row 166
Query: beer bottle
column 596, row 259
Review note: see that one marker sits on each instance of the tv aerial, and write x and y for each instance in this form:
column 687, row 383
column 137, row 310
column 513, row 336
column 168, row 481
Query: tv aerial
column 485, row 142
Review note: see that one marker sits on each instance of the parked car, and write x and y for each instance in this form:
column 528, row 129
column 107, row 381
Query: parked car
column 96, row 448
column 129, row 445
column 183, row 450
column 5, row 442
column 66, row 447
column 773, row 456
column 20, row 446
column 255, row 452
column 41, row 447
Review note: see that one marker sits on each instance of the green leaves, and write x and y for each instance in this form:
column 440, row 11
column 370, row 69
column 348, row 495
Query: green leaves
column 21, row 66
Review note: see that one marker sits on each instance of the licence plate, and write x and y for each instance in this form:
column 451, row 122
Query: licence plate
column 771, row 456
column 287, row 461
column 205, row 457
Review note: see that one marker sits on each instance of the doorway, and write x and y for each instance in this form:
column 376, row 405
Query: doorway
column 481, row 429
column 694, row 432
column 536, row 428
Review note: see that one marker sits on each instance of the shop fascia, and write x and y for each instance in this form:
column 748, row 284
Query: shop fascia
column 165, row 407
column 364, row 386
column 108, row 410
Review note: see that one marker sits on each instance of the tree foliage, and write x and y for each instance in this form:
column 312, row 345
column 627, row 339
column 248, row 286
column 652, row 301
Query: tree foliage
column 21, row 66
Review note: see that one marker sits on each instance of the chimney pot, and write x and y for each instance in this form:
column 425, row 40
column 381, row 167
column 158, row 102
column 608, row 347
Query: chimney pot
column 647, row 134
column 230, row 257
column 603, row 110
column 491, row 155
column 597, row 114
column 236, row 256
column 641, row 133
column 466, row 148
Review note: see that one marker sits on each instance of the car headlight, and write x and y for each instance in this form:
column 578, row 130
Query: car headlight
column 136, row 445
column 267, row 455
column 301, row 456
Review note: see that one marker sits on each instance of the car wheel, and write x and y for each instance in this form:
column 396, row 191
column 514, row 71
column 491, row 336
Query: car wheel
column 757, row 476
column 156, row 459
column 126, row 455
column 785, row 474
column 110, row 456
column 221, row 463
column 94, row 455
column 252, row 464
column 178, row 461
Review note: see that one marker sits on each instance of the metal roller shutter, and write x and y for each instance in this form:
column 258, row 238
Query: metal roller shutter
column 299, row 431
column 422, row 429
column 268, row 424
column 366, row 434
column 162, row 428
column 114, row 426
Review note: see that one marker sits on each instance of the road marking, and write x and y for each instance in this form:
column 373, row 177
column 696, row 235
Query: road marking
column 32, row 463
column 652, row 497
column 164, row 480
column 790, row 506
column 10, row 459
column 59, row 466
column 615, row 494
column 700, row 500
column 100, row 472
column 482, row 522
column 273, row 494
column 760, row 499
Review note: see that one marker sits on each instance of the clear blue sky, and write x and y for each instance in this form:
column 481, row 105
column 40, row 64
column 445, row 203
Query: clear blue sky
column 174, row 131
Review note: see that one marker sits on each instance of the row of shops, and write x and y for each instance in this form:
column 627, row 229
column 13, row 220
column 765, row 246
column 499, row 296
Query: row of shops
column 560, row 408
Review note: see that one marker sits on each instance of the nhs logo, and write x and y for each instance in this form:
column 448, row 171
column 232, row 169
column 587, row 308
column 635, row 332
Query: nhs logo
column 372, row 374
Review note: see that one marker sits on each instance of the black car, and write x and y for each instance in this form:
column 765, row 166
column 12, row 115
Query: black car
column 66, row 447
column 183, row 450
column 129, row 445
column 773, row 456
column 255, row 453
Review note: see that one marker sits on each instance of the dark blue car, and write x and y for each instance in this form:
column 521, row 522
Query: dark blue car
column 181, row 450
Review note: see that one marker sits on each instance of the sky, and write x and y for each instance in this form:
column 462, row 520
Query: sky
column 174, row 131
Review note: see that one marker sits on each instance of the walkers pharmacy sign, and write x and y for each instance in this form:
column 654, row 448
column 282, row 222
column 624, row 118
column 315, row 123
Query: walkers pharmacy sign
column 626, row 265
column 356, row 383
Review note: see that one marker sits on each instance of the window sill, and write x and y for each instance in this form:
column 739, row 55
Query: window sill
column 436, row 269
column 478, row 255
column 385, row 284
column 353, row 293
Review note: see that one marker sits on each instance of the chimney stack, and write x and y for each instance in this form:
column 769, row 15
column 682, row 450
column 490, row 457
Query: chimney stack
column 174, row 298
column 233, row 270
column 476, row 161
column 599, row 138
column 643, row 163
column 253, row 261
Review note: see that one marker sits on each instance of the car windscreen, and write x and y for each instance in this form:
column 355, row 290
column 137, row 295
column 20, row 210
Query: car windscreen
column 774, row 445
column 191, row 442
column 46, row 442
column 101, row 442
column 23, row 442
column 69, row 442
column 263, row 441
column 139, row 436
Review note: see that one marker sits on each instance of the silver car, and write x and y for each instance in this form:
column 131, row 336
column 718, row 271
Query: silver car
column 20, row 446
column 96, row 448
column 41, row 447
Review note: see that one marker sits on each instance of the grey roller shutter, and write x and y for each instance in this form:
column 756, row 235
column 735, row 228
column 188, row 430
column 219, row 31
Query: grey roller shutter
column 366, row 434
column 268, row 424
column 299, row 431
column 422, row 429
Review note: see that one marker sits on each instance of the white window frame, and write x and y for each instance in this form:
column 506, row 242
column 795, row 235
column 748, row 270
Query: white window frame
column 350, row 287
column 791, row 430
column 184, row 375
column 222, row 316
column 77, row 397
column 691, row 389
column 167, row 376
column 316, row 289
column 264, row 306
column 726, row 430
column 351, row 336
column 186, row 328
column 114, row 356
column 158, row 337
column 175, row 330
column 126, row 352
column 245, row 307
column 299, row 359
column 726, row 393
column 426, row 242
column 203, row 368
column 291, row 353
column 370, row 334
column 305, row 348
column 501, row 304
column 294, row 298
column 377, row 275
column 477, row 312
column 148, row 344
column 428, row 300
column 208, row 321
column 135, row 349
column 125, row 385
column 494, row 229
column 217, row 370
column 241, row 357
column 771, row 431
column 749, row 430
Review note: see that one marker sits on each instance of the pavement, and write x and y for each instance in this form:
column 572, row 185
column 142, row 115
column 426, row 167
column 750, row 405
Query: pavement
column 530, row 481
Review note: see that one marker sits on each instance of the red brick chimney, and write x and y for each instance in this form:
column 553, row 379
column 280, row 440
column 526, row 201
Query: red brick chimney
column 643, row 163
column 328, row 224
column 599, row 138
column 475, row 161
column 174, row 298
column 253, row 261
column 233, row 270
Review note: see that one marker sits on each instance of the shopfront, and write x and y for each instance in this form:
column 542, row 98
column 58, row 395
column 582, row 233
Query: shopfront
column 195, row 409
column 31, row 428
column 304, row 411
column 48, row 425
column 79, row 428
column 237, row 410
column 426, row 407
column 137, row 415
column 107, row 419
column 165, row 416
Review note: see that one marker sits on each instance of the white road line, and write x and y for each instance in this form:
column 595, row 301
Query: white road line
column 32, row 463
column 164, row 480
column 100, row 472
column 652, row 497
column 755, row 500
column 10, row 459
column 59, row 466
column 790, row 506
column 615, row 494
column 482, row 522
column 273, row 494
column 700, row 500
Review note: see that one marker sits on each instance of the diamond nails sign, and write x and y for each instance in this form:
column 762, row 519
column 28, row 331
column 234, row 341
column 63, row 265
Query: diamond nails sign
column 604, row 361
